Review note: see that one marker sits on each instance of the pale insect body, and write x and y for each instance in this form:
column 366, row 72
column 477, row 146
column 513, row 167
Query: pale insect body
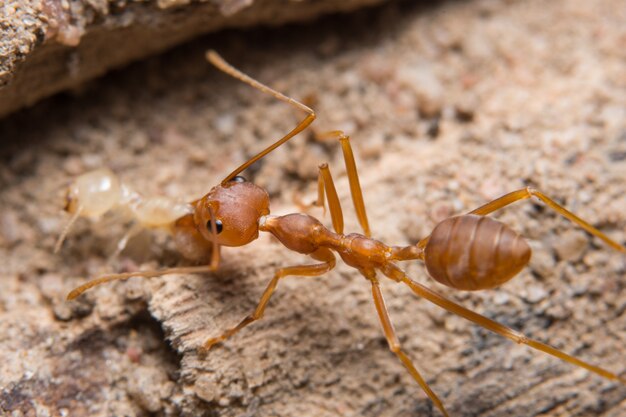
column 100, row 192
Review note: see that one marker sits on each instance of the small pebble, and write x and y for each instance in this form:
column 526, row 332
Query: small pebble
column 10, row 227
column 501, row 298
column 535, row 293
column 225, row 124
column 420, row 79
column 542, row 262
column 206, row 389
column 571, row 245
column 73, row 166
column 51, row 286
column 149, row 386
column 62, row 311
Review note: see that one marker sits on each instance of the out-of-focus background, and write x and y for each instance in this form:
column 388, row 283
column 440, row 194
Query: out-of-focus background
column 449, row 104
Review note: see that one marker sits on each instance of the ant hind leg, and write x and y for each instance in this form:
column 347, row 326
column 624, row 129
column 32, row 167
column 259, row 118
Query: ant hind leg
column 528, row 192
column 394, row 344
column 420, row 290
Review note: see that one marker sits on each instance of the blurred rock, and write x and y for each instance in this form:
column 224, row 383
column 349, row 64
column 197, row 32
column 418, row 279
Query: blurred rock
column 49, row 46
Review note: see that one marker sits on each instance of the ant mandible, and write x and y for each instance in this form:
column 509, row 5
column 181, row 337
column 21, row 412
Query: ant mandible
column 468, row 252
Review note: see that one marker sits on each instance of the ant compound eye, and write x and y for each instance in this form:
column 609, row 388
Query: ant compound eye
column 218, row 226
column 238, row 178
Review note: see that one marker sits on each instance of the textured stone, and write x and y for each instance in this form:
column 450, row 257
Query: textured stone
column 49, row 46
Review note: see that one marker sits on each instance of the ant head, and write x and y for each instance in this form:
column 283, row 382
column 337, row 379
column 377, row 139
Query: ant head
column 237, row 207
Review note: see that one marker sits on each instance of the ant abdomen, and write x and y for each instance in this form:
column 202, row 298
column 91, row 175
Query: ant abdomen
column 471, row 252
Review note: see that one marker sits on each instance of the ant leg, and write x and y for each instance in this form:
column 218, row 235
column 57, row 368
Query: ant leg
column 143, row 274
column 214, row 58
column 215, row 259
column 529, row 192
column 320, row 191
column 326, row 185
column 328, row 263
column 325, row 182
column 319, row 202
column 524, row 194
column 353, row 178
column 213, row 265
column 394, row 344
column 398, row 275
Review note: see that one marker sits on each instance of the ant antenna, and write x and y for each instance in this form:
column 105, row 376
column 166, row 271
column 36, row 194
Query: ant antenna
column 215, row 59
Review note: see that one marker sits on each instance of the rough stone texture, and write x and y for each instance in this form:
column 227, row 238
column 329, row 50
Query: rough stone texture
column 51, row 45
column 449, row 105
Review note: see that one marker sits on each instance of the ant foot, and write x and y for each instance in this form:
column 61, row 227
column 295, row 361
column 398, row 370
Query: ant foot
column 204, row 349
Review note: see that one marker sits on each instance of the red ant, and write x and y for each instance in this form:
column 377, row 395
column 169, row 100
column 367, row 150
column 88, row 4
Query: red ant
column 468, row 252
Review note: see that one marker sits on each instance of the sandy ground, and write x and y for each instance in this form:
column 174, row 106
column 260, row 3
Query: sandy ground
column 448, row 105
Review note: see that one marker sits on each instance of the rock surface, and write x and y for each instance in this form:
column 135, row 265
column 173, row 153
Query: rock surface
column 49, row 46
column 449, row 105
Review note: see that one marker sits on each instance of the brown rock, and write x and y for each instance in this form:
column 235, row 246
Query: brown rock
column 51, row 45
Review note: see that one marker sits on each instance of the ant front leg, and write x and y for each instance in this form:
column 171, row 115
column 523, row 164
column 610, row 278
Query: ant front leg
column 187, row 234
column 140, row 274
column 328, row 263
